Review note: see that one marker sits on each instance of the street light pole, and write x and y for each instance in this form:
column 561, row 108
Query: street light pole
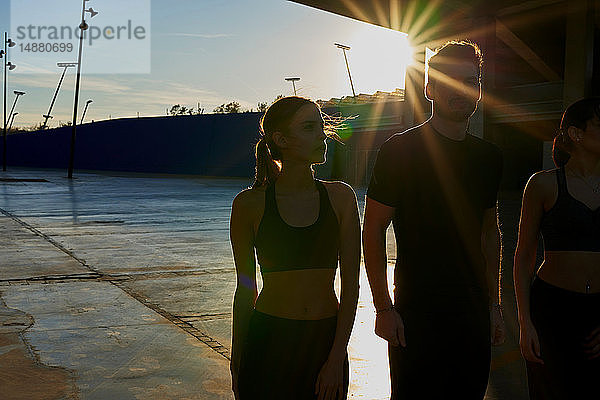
column 17, row 94
column 7, row 66
column 293, row 80
column 49, row 115
column 344, row 48
column 83, row 27
column 87, row 103
column 5, row 53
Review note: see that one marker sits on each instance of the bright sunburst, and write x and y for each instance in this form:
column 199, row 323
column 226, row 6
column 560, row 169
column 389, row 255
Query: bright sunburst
column 378, row 58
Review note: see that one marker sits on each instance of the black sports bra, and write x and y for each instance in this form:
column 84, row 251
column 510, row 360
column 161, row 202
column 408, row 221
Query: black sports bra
column 570, row 225
column 282, row 247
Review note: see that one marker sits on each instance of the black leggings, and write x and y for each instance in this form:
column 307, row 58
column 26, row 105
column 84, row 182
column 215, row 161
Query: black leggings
column 562, row 320
column 447, row 356
column 283, row 357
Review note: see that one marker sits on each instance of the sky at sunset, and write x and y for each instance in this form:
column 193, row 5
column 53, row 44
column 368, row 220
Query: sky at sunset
column 200, row 51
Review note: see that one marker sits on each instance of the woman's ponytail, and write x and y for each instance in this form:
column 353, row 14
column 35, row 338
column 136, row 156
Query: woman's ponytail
column 266, row 168
column 560, row 149
column 577, row 115
column 276, row 119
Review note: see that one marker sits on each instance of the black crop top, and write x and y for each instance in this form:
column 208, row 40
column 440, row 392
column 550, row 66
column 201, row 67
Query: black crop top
column 570, row 225
column 282, row 247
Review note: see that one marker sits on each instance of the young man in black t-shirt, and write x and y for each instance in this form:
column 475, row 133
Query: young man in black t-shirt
column 438, row 185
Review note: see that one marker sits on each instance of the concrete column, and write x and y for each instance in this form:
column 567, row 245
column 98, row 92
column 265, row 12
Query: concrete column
column 579, row 51
column 579, row 59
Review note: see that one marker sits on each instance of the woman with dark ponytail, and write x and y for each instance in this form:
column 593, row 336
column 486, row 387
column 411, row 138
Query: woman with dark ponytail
column 289, row 341
column 559, row 305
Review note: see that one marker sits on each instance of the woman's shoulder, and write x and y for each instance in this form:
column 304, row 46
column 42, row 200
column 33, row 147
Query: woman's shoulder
column 338, row 188
column 543, row 184
column 543, row 179
column 250, row 198
column 341, row 195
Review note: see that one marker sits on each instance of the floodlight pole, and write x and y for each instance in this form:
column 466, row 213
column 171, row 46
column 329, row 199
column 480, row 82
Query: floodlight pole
column 83, row 27
column 293, row 80
column 87, row 103
column 17, row 94
column 4, row 132
column 344, row 48
column 49, row 115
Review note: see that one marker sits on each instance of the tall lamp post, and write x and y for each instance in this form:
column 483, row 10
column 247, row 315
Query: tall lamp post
column 83, row 27
column 17, row 94
column 7, row 66
column 344, row 48
column 87, row 103
column 49, row 115
column 293, row 80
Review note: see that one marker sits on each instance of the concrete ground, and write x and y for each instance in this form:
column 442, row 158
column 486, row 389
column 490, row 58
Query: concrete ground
column 119, row 286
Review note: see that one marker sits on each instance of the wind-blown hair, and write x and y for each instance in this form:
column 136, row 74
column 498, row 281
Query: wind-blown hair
column 277, row 118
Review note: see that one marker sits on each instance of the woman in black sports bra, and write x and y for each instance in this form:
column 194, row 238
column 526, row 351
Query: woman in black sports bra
column 559, row 309
column 290, row 341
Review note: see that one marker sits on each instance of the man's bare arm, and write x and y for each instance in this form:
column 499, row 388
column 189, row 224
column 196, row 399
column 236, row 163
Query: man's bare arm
column 377, row 218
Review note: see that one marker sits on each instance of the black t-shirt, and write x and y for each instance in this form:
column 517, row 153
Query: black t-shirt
column 440, row 189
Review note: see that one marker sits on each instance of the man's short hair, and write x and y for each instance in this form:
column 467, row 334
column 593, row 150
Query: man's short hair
column 455, row 51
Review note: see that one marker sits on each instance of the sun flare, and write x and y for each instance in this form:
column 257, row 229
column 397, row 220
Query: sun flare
column 378, row 58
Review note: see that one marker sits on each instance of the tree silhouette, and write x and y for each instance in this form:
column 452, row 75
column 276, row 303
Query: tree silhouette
column 262, row 107
column 229, row 108
column 178, row 109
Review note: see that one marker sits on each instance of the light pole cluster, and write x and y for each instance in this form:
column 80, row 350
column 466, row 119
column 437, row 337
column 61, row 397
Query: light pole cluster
column 344, row 49
column 7, row 66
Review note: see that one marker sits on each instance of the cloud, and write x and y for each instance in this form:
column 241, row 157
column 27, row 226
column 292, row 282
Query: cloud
column 108, row 86
column 27, row 68
column 164, row 93
column 117, row 95
column 200, row 35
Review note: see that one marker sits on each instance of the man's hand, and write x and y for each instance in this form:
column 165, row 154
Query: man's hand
column 497, row 329
column 389, row 326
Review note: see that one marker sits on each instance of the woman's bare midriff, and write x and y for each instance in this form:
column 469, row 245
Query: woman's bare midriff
column 298, row 294
column 577, row 271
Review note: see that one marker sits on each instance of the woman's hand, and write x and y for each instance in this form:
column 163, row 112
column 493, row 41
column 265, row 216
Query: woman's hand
column 529, row 343
column 389, row 326
column 330, row 382
column 592, row 344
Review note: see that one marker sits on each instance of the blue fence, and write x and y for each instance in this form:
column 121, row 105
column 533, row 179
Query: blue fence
column 212, row 144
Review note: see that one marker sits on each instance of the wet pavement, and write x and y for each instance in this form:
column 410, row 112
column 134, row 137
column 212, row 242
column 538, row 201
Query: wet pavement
column 120, row 286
